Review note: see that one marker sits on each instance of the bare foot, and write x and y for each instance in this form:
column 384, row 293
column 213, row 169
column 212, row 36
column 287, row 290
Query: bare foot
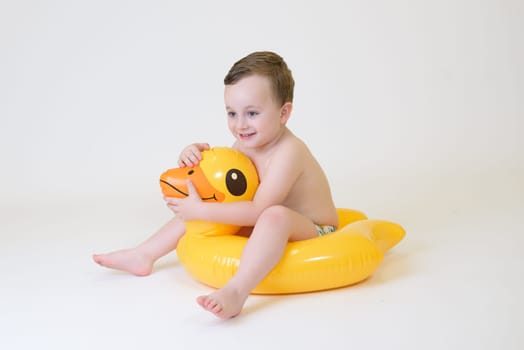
column 224, row 303
column 126, row 260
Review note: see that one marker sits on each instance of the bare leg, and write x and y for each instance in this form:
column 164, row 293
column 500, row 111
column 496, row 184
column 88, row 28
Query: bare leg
column 139, row 260
column 264, row 249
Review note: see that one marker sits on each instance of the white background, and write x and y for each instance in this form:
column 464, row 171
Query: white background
column 414, row 108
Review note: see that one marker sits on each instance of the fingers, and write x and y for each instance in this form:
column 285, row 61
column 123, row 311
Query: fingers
column 189, row 158
column 171, row 200
column 172, row 204
column 191, row 155
column 202, row 146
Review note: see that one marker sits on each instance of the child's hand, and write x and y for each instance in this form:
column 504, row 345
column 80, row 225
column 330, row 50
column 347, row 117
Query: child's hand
column 191, row 156
column 186, row 208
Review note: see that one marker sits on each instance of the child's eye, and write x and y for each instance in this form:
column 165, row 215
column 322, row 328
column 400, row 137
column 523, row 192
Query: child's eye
column 252, row 113
column 231, row 114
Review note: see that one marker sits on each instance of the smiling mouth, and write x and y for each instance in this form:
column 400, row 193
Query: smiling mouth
column 186, row 194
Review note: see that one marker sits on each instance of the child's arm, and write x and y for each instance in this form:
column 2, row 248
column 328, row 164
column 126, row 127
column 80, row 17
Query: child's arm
column 280, row 175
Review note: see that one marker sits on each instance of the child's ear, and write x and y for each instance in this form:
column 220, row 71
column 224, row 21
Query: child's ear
column 285, row 112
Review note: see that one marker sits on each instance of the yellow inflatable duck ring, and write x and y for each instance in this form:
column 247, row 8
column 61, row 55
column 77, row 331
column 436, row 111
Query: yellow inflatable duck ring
column 211, row 252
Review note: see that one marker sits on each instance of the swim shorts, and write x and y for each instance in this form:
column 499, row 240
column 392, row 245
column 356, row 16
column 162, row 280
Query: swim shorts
column 325, row 229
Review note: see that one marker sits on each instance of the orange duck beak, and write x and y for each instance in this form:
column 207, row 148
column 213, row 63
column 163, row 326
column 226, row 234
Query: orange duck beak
column 173, row 183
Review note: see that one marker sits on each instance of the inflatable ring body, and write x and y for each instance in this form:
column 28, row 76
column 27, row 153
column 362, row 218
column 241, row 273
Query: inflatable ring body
column 211, row 252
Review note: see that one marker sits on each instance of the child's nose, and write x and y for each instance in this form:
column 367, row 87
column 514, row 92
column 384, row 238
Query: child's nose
column 242, row 122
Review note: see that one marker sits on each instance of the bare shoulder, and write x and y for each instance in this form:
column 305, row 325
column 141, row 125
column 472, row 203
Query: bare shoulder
column 291, row 149
column 289, row 158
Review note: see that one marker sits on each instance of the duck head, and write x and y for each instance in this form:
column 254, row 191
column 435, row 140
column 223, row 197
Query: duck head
column 223, row 175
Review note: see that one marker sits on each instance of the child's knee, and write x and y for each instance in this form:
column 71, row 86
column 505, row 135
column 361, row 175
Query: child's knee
column 276, row 214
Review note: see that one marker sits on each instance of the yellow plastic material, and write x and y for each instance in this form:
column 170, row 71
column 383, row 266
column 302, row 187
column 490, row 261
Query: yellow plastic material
column 211, row 252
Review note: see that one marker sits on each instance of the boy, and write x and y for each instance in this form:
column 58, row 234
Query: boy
column 293, row 200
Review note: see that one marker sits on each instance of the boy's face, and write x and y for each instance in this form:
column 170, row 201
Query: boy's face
column 254, row 117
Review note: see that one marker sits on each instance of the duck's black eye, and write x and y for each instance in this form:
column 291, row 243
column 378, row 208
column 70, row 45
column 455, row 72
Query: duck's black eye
column 190, row 172
column 236, row 182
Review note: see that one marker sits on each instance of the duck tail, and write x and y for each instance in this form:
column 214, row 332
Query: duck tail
column 384, row 234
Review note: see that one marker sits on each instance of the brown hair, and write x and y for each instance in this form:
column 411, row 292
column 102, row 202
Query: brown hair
column 268, row 64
